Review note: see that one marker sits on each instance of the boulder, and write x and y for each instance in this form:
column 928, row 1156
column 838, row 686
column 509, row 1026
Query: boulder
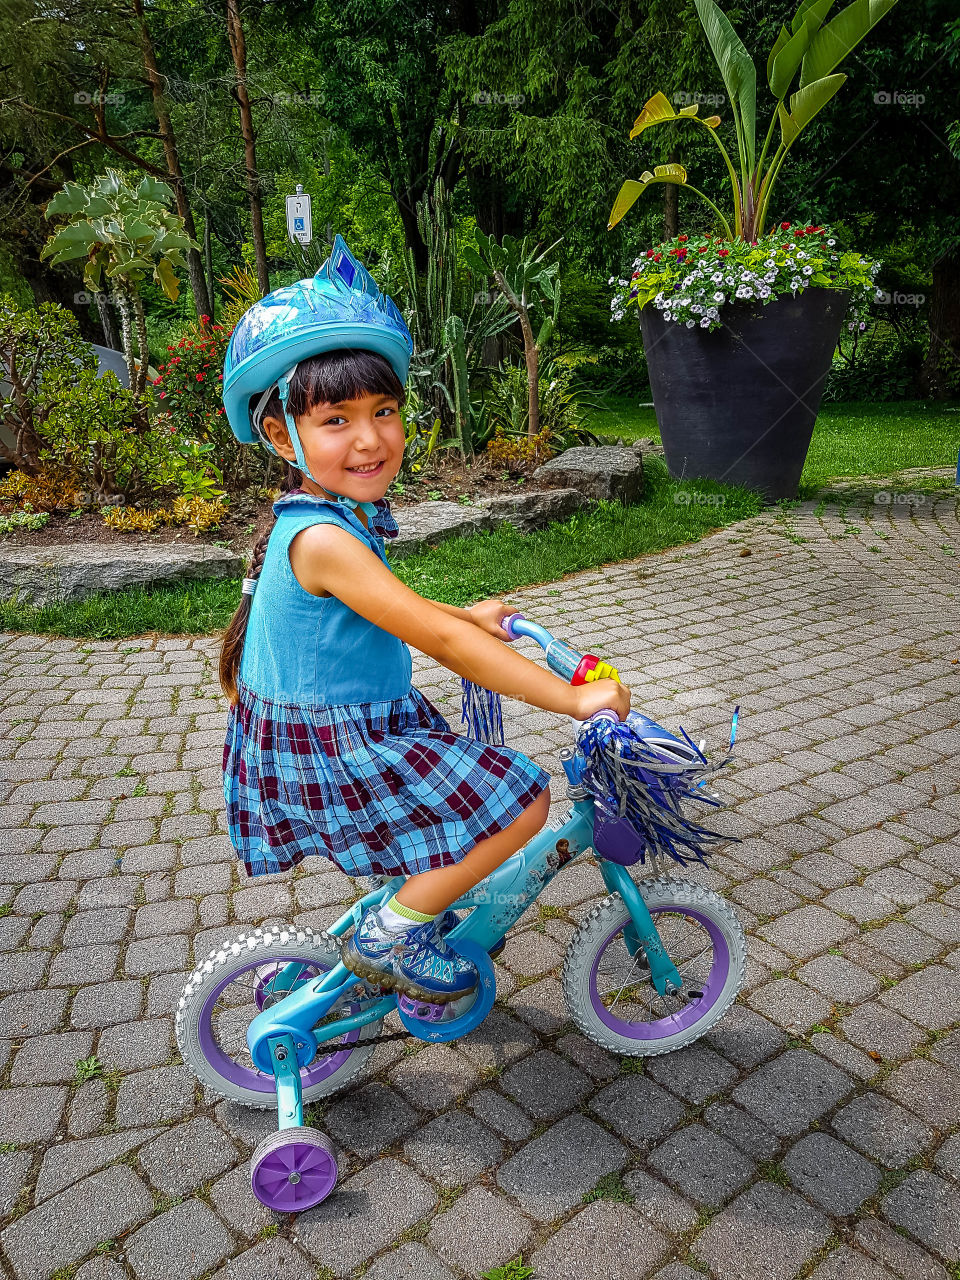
column 535, row 508
column 647, row 444
column 607, row 471
column 58, row 574
column 426, row 523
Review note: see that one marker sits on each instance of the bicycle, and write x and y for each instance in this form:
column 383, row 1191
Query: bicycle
column 274, row 1018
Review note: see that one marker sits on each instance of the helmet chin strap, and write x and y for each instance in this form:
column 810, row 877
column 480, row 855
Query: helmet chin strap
column 283, row 387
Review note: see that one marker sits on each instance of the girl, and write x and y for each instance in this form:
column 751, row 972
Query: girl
column 329, row 749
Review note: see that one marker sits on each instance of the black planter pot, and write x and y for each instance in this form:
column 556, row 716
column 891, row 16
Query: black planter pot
column 739, row 404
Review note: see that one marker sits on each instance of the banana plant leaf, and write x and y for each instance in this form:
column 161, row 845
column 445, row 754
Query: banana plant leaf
column 840, row 37
column 737, row 69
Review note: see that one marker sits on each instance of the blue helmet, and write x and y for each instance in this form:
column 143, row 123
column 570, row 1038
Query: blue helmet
column 341, row 306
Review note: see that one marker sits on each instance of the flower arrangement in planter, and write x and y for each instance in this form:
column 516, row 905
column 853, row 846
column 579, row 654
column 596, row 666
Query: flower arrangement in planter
column 691, row 278
column 739, row 327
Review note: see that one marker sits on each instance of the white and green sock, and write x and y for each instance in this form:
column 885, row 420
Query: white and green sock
column 398, row 918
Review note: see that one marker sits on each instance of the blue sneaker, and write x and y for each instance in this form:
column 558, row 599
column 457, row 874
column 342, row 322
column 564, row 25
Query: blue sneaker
column 416, row 962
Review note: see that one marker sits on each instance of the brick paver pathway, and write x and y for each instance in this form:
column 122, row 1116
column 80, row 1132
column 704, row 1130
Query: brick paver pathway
column 812, row 1133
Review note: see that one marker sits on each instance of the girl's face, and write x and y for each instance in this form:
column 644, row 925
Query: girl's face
column 353, row 449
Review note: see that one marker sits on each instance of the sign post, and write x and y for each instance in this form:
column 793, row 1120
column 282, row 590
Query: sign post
column 299, row 217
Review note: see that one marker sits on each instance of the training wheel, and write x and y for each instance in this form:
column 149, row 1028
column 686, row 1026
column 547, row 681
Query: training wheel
column 292, row 1170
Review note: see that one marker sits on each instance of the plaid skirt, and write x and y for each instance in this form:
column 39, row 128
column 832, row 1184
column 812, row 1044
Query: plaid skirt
column 380, row 788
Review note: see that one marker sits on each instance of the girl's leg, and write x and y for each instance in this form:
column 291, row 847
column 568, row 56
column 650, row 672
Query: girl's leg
column 431, row 892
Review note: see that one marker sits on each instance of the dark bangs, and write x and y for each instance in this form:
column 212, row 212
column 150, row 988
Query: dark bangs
column 334, row 376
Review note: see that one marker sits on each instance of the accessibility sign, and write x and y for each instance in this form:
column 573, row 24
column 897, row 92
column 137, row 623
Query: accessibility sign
column 299, row 217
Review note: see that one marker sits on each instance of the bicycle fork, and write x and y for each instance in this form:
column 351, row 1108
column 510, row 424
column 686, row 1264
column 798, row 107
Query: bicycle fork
column 642, row 932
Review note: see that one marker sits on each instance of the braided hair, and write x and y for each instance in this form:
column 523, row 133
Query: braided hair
column 330, row 378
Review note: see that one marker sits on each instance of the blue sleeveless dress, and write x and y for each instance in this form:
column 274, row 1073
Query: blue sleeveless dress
column 331, row 751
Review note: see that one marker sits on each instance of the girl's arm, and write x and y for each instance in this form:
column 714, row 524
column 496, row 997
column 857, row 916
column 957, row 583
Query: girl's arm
column 327, row 558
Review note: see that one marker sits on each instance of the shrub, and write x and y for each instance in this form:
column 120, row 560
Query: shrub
column 23, row 520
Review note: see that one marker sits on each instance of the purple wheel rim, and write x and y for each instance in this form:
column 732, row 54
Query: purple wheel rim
column 293, row 1176
column 249, row 1077
column 688, row 1014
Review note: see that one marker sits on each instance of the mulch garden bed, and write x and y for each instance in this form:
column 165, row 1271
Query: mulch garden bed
column 447, row 478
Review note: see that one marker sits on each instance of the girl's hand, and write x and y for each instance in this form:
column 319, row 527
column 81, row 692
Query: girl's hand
column 599, row 695
column 488, row 615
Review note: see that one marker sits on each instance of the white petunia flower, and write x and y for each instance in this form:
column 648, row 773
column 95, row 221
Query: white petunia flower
column 691, row 324
column 704, row 323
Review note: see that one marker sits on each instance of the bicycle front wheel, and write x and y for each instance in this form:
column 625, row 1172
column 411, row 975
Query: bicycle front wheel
column 607, row 984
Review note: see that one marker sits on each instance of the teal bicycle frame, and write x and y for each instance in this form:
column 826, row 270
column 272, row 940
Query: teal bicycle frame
column 285, row 1037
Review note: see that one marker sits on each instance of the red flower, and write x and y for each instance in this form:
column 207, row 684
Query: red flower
column 169, row 348
column 702, row 249
column 204, row 319
column 682, row 239
column 657, row 257
column 219, row 377
column 649, row 253
column 162, row 395
column 199, row 377
column 723, row 253
column 681, row 254
column 785, row 226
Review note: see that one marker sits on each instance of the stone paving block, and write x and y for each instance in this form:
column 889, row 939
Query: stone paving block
column 702, row 1165
column 106, row 1004
column 50, row 1059
column 63, row 1229
column 937, row 919
column 597, row 1062
column 31, row 1013
column 552, row 1172
column 844, row 1055
column 89, row 1108
column 877, row 1029
column 106, row 924
column 188, row 1155
column 14, row 1168
column 927, row 1208
column 434, row 1077
column 480, row 1231
column 545, row 1084
column 234, row 1201
column 165, row 917
column 75, row 966
column 694, row 1073
column 369, row 1119
column 454, row 1149
column 848, row 1264
column 838, row 979
column 897, row 1252
column 412, row 1261
column 743, row 1129
column 22, row 970
column 766, row 1231
column 498, row 1041
column 948, row 1157
column 50, row 896
column 13, row 930
column 31, row 1114
column 156, row 1096
column 793, row 1091
column 928, row 1089
column 883, row 1130
column 827, row 1172
column 164, row 992
column 744, row 1037
column 807, row 931
column 181, row 1244
column 363, row 1215
column 501, row 1115
column 157, row 955
column 902, row 942
column 133, row 1046
column 790, row 1004
column 660, row 1204
column 69, row 1162
column 930, row 997
column 604, row 1239
column 276, row 1259
column 638, row 1110
column 542, row 1006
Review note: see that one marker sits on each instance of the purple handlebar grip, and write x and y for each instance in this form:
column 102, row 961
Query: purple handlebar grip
column 507, row 624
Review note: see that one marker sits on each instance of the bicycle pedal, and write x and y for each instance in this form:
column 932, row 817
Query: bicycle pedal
column 423, row 1010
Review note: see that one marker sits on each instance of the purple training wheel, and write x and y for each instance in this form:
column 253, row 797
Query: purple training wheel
column 293, row 1170
column 703, row 979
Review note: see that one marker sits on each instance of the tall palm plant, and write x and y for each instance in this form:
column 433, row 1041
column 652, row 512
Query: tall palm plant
column 127, row 235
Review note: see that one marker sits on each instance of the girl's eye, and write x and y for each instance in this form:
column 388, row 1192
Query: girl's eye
column 387, row 408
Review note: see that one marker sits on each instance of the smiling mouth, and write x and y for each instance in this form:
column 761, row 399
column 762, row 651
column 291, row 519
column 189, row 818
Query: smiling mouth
column 368, row 468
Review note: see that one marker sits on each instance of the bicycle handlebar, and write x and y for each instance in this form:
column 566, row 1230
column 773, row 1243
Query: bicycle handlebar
column 562, row 658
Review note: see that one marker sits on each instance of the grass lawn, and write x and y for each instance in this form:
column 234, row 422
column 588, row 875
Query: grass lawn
column 456, row 572
column 849, row 439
